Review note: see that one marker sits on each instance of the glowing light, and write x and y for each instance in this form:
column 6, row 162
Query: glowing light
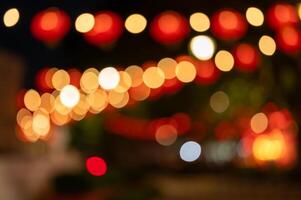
column 135, row 23
column 136, row 74
column 47, row 102
column 267, row 45
column 166, row 135
column 69, row 96
column 202, row 47
column 259, row 123
column 120, row 102
column 140, row 92
column 190, row 151
column 125, row 82
column 246, row 57
column 84, row 22
column 89, row 80
column 269, row 147
column 185, row 71
column 22, row 115
column 153, row 77
column 108, row 78
column 199, row 22
column 32, row 100
column 96, row 166
column 60, row 79
column 255, row 16
column 224, row 61
column 219, row 102
column 168, row 66
column 115, row 98
column 11, row 17
column 41, row 123
column 98, row 100
column 59, row 119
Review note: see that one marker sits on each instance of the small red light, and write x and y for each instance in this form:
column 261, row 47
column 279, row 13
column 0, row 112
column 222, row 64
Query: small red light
column 96, row 166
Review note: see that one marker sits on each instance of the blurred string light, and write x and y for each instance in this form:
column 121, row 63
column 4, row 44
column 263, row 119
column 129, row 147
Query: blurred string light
column 153, row 77
column 199, row 22
column 41, row 123
column 108, row 78
column 185, row 71
column 269, row 147
column 267, row 45
column 166, row 135
column 89, row 80
column 254, row 16
column 135, row 23
column 125, row 82
column 32, row 100
column 11, row 17
column 136, row 73
column 259, row 123
column 59, row 79
column 224, row 60
column 84, row 22
column 219, row 102
column 96, row 166
column 69, row 96
column 168, row 66
column 202, row 47
column 190, row 151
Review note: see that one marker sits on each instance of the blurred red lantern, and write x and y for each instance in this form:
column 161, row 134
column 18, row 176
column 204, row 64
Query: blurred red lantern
column 50, row 25
column 282, row 14
column 288, row 39
column 169, row 27
column 246, row 57
column 228, row 24
column 107, row 29
column 207, row 73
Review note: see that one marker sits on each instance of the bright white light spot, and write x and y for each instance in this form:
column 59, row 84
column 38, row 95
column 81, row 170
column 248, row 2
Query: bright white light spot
column 202, row 47
column 69, row 96
column 108, row 78
column 190, row 151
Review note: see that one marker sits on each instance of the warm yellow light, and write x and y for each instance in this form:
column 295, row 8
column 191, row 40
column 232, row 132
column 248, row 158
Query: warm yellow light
column 259, row 123
column 89, row 81
column 268, row 147
column 267, row 45
column 136, row 74
column 22, row 115
column 81, row 108
column 254, row 16
column 97, row 100
column 47, row 102
column 41, row 123
column 219, row 102
column 202, row 47
column 32, row 100
column 59, row 119
column 135, row 23
column 69, row 96
column 224, row 61
column 60, row 107
column 168, row 66
column 185, row 71
column 11, row 17
column 118, row 100
column 84, row 22
column 60, row 78
column 108, row 78
column 199, row 22
column 125, row 82
column 153, row 77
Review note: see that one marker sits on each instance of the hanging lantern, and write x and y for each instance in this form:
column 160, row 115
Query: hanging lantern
column 228, row 24
column 107, row 29
column 169, row 28
column 50, row 25
column 246, row 57
column 282, row 14
column 207, row 73
column 288, row 39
